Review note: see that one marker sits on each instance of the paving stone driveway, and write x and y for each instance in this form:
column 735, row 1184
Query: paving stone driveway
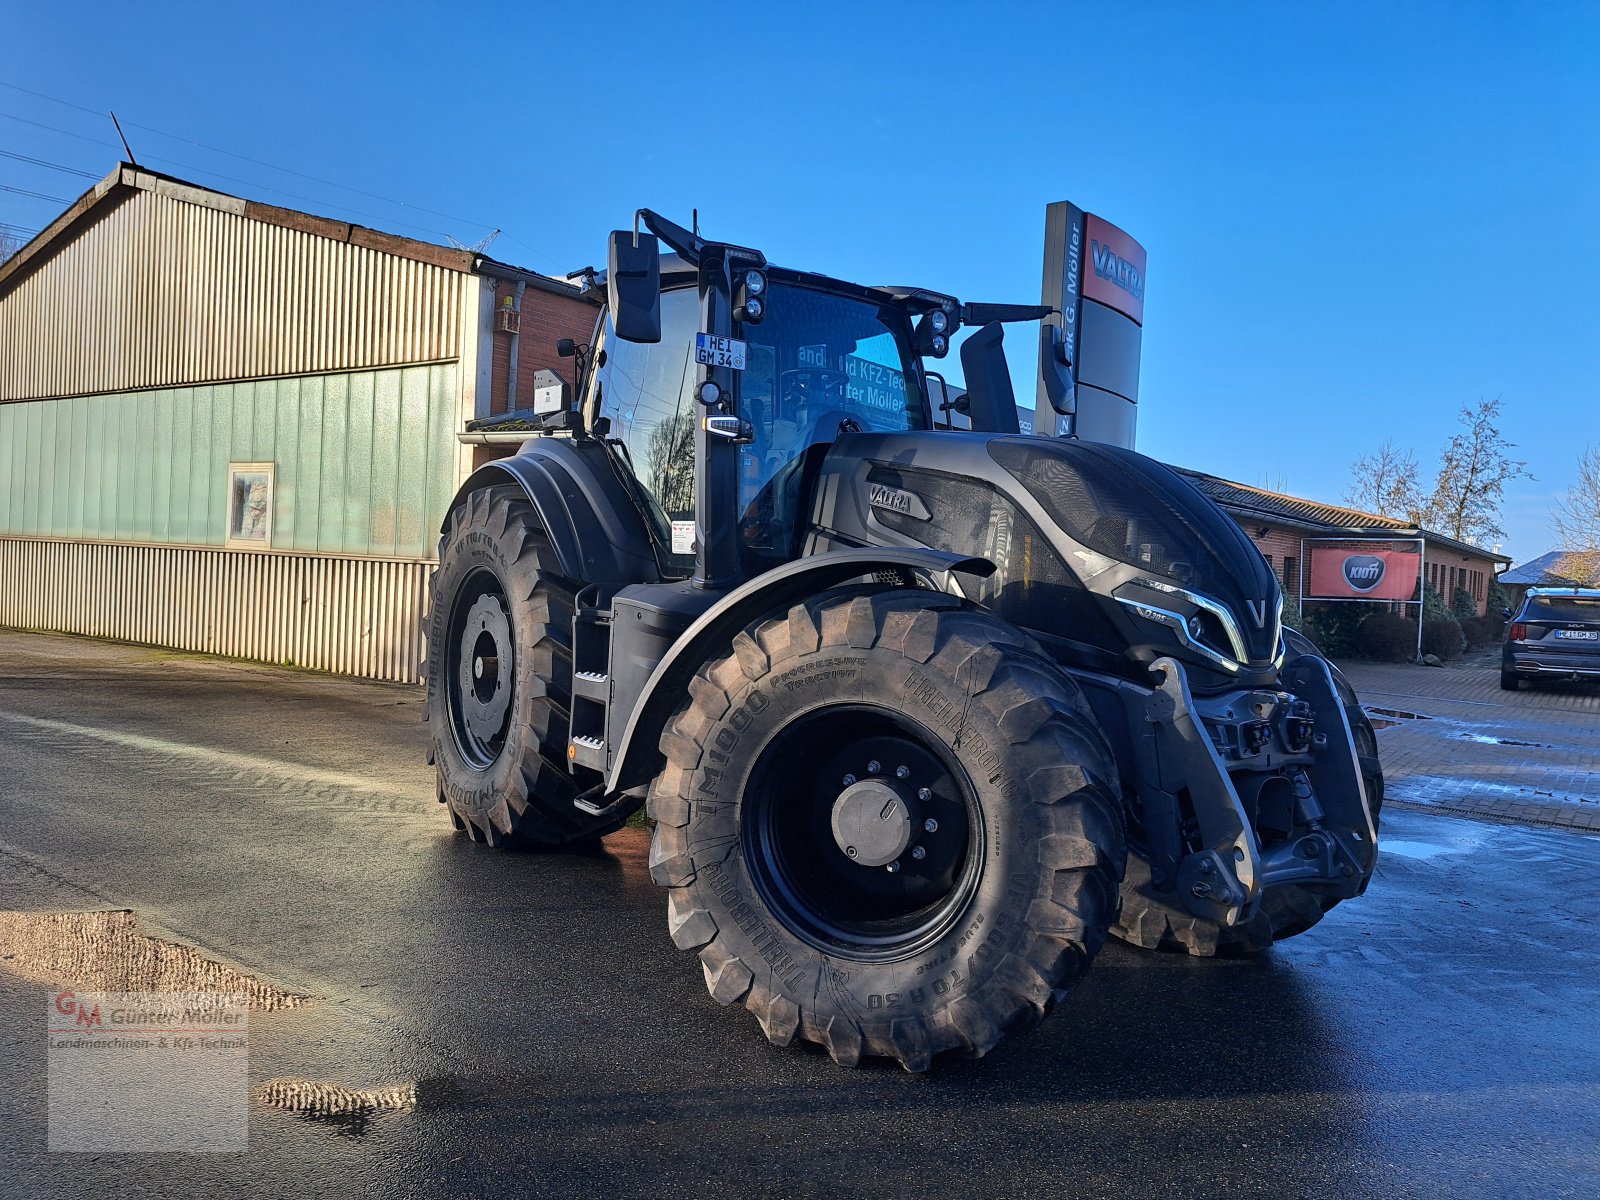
column 1531, row 756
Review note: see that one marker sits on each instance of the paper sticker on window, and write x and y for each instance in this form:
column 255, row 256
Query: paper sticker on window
column 683, row 537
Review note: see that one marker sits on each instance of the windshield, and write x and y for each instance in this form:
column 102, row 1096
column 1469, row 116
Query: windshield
column 818, row 361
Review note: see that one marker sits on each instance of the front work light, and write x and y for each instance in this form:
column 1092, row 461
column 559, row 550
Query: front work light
column 748, row 307
column 932, row 333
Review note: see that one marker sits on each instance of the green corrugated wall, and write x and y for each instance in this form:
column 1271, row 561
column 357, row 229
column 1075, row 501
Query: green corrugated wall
column 365, row 461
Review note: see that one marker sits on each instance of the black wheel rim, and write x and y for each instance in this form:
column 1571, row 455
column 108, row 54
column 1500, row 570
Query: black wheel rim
column 803, row 871
column 480, row 669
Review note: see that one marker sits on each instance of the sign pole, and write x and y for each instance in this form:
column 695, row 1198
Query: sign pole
column 1422, row 590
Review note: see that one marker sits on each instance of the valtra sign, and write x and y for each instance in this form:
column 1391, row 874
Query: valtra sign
column 1350, row 573
column 1115, row 274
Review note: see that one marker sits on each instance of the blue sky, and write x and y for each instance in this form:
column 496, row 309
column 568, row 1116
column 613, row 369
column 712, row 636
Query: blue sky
column 1358, row 217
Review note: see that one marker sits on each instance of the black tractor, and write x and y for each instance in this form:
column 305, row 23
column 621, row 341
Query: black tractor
column 920, row 714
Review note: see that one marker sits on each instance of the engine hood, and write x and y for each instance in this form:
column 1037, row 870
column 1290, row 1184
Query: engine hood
column 1093, row 543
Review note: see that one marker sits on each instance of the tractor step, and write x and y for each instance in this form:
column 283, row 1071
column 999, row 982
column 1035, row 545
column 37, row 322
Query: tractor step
column 587, row 751
column 588, row 803
column 592, row 685
column 591, row 679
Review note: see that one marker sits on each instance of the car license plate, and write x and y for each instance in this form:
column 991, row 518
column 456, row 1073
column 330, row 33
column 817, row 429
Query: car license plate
column 1578, row 635
column 713, row 351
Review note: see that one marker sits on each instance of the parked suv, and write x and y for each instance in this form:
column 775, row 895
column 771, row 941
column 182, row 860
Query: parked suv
column 1555, row 634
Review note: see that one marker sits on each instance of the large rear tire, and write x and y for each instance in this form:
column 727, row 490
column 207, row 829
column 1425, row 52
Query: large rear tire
column 1156, row 920
column 888, row 826
column 500, row 678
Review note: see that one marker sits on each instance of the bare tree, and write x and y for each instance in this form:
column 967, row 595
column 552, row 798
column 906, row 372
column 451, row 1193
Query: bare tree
column 1385, row 482
column 10, row 243
column 669, row 463
column 1473, row 472
column 1577, row 521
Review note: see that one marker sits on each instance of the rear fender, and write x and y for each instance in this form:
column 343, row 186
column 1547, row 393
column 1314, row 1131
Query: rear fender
column 594, row 525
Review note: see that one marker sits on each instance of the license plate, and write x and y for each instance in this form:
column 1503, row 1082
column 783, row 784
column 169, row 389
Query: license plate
column 1578, row 635
column 713, row 351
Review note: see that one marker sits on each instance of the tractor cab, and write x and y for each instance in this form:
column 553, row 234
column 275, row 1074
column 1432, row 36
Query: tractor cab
column 713, row 354
column 824, row 359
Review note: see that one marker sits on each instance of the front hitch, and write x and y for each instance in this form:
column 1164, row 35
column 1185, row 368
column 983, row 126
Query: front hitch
column 1221, row 882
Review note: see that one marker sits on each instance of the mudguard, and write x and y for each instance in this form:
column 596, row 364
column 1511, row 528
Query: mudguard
column 594, row 525
column 632, row 766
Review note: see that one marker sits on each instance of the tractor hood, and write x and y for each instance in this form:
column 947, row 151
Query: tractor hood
column 1095, row 546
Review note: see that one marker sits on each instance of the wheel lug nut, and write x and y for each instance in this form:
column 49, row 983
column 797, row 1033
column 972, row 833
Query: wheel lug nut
column 931, row 825
column 902, row 772
column 924, row 794
column 849, row 779
column 918, row 853
column 893, row 868
column 873, row 767
column 851, row 851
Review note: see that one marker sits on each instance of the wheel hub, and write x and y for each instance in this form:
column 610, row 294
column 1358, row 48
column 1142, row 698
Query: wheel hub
column 873, row 822
column 486, row 661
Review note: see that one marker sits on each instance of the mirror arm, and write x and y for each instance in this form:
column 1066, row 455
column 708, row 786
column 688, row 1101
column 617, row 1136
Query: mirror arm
column 687, row 244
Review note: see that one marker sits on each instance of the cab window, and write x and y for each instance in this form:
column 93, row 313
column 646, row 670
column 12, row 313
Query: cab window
column 647, row 393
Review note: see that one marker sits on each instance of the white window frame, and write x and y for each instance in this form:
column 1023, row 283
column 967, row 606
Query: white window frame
column 236, row 469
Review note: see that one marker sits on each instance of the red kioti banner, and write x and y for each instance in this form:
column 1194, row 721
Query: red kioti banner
column 1350, row 573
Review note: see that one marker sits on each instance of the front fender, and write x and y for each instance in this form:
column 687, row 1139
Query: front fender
column 712, row 633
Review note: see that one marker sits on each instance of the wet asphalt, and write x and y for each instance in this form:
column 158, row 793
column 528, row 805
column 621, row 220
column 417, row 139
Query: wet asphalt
column 1439, row 1037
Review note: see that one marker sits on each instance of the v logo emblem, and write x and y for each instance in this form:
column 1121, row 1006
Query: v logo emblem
column 1258, row 610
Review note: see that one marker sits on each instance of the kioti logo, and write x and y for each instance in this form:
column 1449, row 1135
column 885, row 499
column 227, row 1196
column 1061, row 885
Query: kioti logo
column 1113, row 268
column 1363, row 571
column 68, row 1005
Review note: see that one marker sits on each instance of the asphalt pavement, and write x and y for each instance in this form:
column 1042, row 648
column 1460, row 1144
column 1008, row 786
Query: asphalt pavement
column 1439, row 1037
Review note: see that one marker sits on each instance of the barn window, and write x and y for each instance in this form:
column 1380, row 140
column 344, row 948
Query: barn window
column 250, row 505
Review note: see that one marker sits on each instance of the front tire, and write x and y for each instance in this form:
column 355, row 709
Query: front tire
column 500, row 678
column 845, row 737
column 1510, row 681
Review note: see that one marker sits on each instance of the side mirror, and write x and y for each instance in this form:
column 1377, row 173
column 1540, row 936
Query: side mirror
column 1056, row 370
column 566, row 348
column 633, row 286
column 989, row 396
column 1506, row 613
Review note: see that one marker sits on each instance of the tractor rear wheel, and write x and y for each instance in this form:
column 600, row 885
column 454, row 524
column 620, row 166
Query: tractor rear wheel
column 887, row 825
column 500, row 677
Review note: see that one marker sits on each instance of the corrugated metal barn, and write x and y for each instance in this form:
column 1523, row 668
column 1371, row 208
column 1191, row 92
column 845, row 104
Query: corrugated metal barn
column 232, row 428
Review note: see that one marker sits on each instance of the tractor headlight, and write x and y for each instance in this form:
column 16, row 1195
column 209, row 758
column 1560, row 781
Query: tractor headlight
column 1209, row 629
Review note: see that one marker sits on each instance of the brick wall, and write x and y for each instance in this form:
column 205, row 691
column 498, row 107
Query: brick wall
column 1282, row 550
column 1448, row 569
column 546, row 319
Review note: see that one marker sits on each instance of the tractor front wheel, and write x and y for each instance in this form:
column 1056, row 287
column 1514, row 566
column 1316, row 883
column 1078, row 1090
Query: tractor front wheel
column 887, row 825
